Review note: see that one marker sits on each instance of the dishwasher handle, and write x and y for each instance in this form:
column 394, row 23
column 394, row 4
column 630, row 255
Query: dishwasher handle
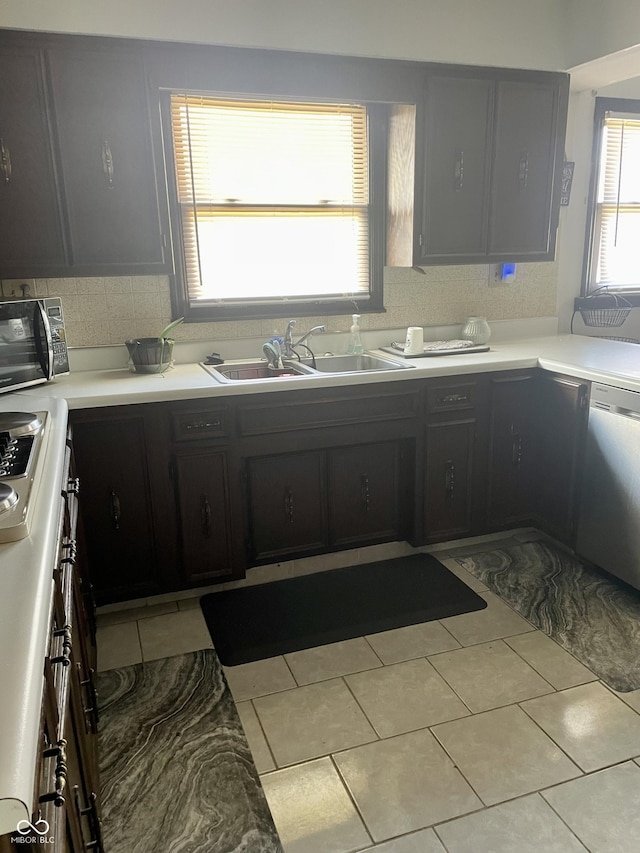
column 619, row 410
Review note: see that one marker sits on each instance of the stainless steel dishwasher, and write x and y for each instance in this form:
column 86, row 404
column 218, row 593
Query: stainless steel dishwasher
column 609, row 522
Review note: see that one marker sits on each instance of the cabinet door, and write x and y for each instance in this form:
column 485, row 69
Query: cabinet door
column 287, row 504
column 526, row 122
column 452, row 172
column 116, row 506
column 364, row 493
column 103, row 128
column 562, row 408
column 82, row 801
column 203, row 508
column 30, row 229
column 449, row 479
column 512, row 451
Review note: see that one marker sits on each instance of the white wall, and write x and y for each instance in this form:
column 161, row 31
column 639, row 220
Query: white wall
column 573, row 218
column 517, row 33
column 597, row 28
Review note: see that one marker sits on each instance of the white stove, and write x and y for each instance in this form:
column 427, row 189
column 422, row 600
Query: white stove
column 23, row 439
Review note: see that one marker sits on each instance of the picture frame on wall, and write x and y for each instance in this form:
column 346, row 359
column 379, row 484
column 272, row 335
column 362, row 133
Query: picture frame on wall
column 567, row 180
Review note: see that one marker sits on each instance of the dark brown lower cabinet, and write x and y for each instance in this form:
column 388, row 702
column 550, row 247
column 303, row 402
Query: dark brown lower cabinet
column 203, row 500
column 537, row 431
column 562, row 409
column 313, row 501
column 182, row 494
column 454, row 452
column 449, row 478
column 513, row 454
column 364, row 498
column 286, row 504
column 113, row 456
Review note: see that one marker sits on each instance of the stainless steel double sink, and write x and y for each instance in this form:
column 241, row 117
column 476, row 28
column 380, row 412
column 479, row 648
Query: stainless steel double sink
column 246, row 371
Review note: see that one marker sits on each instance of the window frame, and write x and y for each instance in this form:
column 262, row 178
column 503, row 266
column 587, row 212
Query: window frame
column 590, row 288
column 377, row 123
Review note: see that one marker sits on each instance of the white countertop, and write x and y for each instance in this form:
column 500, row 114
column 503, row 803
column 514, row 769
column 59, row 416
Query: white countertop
column 26, row 586
column 26, row 566
column 586, row 358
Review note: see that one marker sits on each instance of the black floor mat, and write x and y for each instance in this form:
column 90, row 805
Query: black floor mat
column 257, row 622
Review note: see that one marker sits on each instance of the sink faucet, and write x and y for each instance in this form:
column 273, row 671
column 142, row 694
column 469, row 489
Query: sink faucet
column 288, row 347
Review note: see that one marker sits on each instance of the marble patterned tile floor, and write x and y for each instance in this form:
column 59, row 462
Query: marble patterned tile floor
column 475, row 734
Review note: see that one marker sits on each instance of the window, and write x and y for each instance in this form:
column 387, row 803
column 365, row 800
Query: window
column 614, row 257
column 273, row 207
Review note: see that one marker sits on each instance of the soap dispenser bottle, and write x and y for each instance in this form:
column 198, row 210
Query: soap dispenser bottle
column 355, row 341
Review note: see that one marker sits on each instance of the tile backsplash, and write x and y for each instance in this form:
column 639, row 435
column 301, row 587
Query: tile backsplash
column 103, row 311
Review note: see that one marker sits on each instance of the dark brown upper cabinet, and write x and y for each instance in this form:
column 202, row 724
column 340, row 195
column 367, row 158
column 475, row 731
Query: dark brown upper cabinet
column 107, row 167
column 30, row 218
column 78, row 190
column 489, row 154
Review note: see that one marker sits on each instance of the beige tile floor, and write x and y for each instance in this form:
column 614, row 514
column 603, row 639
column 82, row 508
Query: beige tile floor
column 475, row 734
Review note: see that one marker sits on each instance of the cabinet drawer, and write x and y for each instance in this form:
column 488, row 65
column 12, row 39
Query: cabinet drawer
column 195, row 426
column 324, row 411
column 452, row 397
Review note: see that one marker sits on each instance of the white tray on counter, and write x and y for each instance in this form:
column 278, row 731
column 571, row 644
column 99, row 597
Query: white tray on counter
column 431, row 352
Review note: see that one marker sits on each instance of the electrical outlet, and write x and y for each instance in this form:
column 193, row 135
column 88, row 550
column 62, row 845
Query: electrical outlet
column 496, row 277
column 18, row 288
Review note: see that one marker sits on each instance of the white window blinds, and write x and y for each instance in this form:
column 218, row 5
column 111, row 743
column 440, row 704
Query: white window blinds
column 273, row 197
column 617, row 231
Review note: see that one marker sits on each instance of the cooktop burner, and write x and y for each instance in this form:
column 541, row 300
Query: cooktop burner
column 19, row 423
column 23, row 436
column 8, row 497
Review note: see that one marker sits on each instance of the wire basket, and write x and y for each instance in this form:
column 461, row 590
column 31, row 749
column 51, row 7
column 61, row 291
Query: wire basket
column 607, row 316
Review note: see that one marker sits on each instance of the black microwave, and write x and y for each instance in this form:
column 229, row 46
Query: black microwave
column 33, row 345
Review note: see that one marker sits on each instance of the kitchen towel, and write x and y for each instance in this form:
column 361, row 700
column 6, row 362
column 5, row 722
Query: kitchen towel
column 256, row 622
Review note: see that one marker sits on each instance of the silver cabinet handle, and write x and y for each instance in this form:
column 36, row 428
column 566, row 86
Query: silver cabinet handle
column 91, row 813
column 90, row 713
column 450, row 478
column 107, row 163
column 115, row 510
column 365, row 494
column 288, row 505
column 5, row 161
column 523, row 169
column 205, row 516
column 65, row 657
column 59, row 752
column 458, row 169
column 516, row 450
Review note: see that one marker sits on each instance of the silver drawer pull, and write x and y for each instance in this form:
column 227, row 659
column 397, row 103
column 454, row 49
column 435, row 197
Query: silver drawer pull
column 454, row 398
column 73, row 486
column 60, row 753
column 71, row 549
column 203, row 425
column 65, row 657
